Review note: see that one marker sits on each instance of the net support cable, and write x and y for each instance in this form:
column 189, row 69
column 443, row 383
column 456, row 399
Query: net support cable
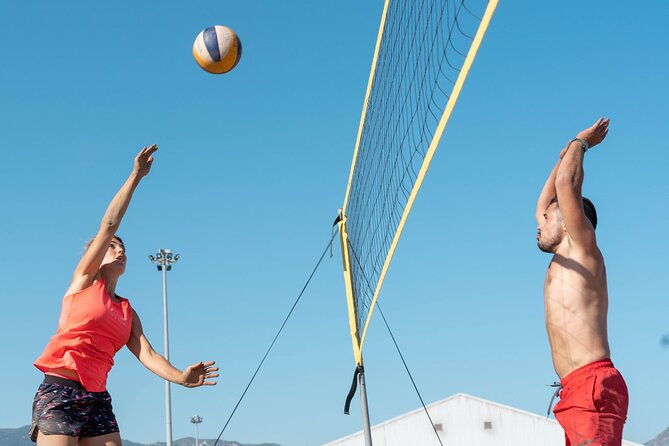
column 262, row 361
column 360, row 369
column 413, row 382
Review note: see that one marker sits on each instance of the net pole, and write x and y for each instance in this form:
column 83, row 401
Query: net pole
column 367, row 430
column 350, row 297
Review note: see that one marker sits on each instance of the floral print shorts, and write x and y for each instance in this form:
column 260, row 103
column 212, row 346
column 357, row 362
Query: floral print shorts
column 63, row 407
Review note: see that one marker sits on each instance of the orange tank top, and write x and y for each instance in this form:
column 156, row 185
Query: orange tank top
column 91, row 329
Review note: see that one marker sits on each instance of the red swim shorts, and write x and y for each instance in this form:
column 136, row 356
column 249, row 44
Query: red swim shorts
column 593, row 405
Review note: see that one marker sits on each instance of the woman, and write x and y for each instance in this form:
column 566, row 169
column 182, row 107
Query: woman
column 72, row 406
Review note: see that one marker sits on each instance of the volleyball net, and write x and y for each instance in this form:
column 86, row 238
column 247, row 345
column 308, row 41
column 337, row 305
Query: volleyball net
column 424, row 51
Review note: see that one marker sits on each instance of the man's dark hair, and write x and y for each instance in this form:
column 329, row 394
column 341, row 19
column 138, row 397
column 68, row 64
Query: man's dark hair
column 588, row 209
column 590, row 212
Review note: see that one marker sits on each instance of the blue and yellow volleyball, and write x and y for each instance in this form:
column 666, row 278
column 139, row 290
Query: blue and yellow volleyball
column 217, row 49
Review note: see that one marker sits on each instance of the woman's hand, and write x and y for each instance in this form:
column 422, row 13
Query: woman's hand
column 144, row 160
column 200, row 374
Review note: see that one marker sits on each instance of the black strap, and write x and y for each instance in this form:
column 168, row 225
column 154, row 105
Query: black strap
column 558, row 387
column 51, row 379
column 338, row 219
column 354, row 387
column 334, row 226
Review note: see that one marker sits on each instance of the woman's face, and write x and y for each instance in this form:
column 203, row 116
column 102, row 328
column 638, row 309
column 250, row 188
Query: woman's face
column 115, row 258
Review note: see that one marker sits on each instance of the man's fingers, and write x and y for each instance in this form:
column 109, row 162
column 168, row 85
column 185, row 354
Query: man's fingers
column 147, row 151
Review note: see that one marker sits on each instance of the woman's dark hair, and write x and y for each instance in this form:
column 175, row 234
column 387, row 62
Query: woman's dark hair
column 88, row 243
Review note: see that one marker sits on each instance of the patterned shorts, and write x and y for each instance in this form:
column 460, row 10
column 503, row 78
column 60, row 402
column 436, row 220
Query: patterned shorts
column 64, row 407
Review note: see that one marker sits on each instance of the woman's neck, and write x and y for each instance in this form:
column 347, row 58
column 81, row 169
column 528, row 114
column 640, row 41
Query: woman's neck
column 110, row 283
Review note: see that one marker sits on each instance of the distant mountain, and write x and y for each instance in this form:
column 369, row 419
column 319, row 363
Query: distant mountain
column 19, row 437
column 16, row 437
column 660, row 440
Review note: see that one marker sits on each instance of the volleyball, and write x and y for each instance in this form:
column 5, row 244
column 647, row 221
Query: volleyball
column 217, row 49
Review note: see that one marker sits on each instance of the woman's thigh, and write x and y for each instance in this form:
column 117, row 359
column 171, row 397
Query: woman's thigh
column 113, row 439
column 56, row 440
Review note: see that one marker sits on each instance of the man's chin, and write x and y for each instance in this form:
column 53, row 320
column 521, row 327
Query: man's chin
column 544, row 248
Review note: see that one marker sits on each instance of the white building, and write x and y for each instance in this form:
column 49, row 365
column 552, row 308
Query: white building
column 464, row 420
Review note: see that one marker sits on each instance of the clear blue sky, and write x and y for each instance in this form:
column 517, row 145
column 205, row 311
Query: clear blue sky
column 250, row 172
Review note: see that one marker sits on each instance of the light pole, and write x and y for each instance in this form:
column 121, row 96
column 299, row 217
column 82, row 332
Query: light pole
column 196, row 420
column 164, row 261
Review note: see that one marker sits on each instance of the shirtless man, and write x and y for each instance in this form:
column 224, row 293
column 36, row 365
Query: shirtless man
column 594, row 399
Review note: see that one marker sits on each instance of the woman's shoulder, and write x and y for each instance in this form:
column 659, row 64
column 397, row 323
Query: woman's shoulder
column 81, row 288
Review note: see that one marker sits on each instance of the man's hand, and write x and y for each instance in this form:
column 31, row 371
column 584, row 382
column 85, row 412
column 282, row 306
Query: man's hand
column 144, row 160
column 200, row 374
column 595, row 134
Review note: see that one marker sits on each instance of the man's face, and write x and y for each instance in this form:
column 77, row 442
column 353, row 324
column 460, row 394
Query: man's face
column 551, row 231
column 115, row 256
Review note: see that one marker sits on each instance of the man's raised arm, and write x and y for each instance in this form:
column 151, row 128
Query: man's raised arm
column 569, row 181
column 547, row 193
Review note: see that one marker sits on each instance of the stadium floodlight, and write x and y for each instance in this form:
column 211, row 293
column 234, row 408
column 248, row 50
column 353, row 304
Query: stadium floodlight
column 196, row 420
column 163, row 261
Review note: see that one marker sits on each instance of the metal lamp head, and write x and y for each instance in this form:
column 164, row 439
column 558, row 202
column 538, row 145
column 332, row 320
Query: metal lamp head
column 196, row 419
column 164, row 259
